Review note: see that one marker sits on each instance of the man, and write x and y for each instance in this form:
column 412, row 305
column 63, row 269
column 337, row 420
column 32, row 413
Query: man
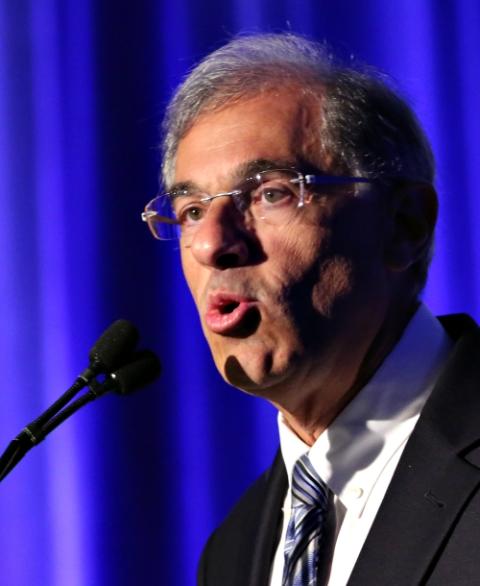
column 302, row 193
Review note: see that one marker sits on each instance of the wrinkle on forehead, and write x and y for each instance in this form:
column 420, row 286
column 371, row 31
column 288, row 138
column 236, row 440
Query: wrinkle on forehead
column 240, row 173
column 292, row 111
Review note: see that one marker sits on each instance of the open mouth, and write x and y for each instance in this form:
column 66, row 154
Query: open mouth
column 228, row 307
column 231, row 315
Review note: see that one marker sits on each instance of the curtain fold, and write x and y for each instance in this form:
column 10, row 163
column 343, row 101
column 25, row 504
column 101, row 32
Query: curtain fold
column 128, row 491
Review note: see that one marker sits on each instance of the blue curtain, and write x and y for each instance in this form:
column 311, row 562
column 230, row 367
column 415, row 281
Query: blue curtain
column 127, row 492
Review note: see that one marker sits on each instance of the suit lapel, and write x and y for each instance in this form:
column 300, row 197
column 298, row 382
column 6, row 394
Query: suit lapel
column 268, row 524
column 432, row 482
column 415, row 517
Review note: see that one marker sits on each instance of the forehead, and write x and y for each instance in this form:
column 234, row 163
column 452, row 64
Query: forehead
column 275, row 125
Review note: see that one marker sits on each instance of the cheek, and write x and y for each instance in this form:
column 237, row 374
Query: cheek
column 192, row 272
column 301, row 275
column 296, row 249
column 334, row 282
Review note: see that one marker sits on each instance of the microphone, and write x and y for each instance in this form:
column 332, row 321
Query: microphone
column 142, row 369
column 112, row 355
column 112, row 349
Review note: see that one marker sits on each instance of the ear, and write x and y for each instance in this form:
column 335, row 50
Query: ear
column 413, row 213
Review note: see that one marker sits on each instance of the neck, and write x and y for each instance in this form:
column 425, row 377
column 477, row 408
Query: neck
column 319, row 406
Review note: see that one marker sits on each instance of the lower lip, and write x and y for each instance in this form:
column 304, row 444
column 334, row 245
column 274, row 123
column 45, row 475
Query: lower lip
column 224, row 323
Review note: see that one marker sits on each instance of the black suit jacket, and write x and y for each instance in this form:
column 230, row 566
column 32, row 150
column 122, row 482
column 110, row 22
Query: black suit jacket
column 427, row 530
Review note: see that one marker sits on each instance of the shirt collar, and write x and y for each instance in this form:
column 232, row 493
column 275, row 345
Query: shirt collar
column 377, row 422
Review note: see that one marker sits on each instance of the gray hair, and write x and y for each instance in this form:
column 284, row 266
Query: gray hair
column 365, row 128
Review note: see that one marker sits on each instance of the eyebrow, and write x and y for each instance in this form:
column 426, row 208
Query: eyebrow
column 241, row 172
column 176, row 189
column 250, row 168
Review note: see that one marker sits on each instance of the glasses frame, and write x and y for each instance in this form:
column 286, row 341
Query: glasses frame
column 302, row 179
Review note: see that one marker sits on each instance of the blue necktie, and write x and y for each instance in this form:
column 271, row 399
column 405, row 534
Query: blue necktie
column 307, row 527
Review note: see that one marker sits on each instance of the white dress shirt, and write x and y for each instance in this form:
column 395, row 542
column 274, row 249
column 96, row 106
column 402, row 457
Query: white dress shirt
column 358, row 453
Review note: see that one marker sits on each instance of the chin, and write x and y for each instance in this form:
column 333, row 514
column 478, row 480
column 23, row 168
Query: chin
column 258, row 360
column 242, row 378
column 254, row 375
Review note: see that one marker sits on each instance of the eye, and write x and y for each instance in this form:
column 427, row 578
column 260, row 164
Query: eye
column 275, row 193
column 190, row 214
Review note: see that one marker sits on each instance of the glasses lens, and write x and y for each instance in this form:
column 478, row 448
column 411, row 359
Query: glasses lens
column 273, row 196
column 277, row 196
column 161, row 219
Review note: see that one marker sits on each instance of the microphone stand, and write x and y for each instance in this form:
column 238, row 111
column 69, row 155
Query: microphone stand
column 141, row 369
column 113, row 348
column 33, row 433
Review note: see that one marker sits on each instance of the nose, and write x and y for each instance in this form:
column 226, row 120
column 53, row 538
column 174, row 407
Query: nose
column 222, row 241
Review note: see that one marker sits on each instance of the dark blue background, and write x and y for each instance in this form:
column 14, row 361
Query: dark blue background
column 128, row 491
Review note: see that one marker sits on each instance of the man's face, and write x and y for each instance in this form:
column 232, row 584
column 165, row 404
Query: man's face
column 280, row 306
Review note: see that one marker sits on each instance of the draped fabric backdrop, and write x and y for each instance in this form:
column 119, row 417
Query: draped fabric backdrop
column 127, row 492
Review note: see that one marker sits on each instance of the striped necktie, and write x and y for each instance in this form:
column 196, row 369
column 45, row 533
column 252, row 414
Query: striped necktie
column 307, row 527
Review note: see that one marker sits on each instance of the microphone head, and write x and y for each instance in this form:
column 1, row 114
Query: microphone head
column 143, row 368
column 114, row 347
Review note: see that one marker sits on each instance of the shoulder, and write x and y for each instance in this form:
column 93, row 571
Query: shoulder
column 459, row 325
column 230, row 549
column 463, row 363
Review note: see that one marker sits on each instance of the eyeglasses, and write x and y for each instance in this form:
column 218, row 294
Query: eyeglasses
column 272, row 196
